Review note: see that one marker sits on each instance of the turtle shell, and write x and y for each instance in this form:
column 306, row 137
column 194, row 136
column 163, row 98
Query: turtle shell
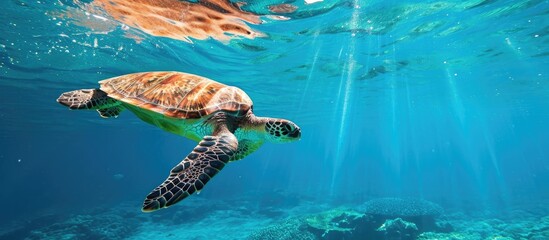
column 176, row 94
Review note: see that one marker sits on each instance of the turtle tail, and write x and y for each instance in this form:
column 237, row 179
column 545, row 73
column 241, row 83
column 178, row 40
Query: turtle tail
column 91, row 99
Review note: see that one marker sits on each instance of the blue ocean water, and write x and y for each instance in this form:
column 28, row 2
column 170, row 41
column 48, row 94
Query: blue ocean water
column 443, row 101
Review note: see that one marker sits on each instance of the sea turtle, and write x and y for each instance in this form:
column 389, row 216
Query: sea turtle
column 217, row 116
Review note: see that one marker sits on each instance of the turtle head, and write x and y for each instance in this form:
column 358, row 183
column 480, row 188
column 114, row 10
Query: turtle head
column 281, row 130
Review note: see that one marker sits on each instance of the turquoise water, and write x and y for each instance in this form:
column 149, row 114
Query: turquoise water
column 443, row 101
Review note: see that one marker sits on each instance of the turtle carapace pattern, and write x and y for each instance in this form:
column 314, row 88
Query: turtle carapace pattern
column 217, row 116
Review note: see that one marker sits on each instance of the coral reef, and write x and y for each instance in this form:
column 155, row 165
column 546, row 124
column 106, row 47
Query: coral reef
column 245, row 218
column 334, row 220
column 398, row 229
column 287, row 230
column 519, row 226
column 385, row 218
column 339, row 223
column 96, row 226
column 421, row 212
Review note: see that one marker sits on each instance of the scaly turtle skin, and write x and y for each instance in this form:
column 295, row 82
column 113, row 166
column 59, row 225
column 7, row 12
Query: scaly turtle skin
column 217, row 116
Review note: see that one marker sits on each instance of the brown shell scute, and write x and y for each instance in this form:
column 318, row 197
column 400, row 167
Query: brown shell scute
column 176, row 94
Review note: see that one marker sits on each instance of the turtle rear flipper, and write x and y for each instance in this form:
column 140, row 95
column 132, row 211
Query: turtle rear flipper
column 202, row 164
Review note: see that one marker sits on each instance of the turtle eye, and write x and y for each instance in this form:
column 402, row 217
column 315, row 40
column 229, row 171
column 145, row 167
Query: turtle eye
column 285, row 129
column 290, row 126
column 293, row 130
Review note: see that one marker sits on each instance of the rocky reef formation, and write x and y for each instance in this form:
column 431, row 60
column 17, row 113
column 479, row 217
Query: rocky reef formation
column 278, row 217
column 398, row 229
column 423, row 213
column 288, row 229
column 520, row 225
column 385, row 218
column 338, row 223
column 94, row 225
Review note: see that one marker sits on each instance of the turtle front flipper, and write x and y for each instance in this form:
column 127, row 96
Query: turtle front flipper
column 245, row 148
column 202, row 164
column 110, row 112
